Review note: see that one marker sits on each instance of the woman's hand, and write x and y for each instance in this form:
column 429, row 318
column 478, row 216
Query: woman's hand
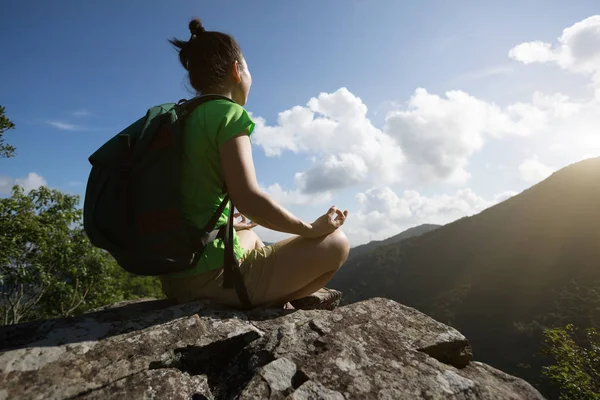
column 243, row 224
column 327, row 223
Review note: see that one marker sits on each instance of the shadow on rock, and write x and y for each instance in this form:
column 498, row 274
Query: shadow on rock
column 117, row 319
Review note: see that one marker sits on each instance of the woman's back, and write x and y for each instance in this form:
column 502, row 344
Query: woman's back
column 209, row 126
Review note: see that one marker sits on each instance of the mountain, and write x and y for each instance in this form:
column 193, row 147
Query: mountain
column 369, row 247
column 499, row 276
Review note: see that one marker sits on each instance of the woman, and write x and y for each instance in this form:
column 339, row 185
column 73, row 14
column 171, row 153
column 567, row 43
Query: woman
column 217, row 153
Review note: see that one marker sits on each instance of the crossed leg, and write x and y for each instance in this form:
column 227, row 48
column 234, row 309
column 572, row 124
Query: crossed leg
column 249, row 240
column 302, row 265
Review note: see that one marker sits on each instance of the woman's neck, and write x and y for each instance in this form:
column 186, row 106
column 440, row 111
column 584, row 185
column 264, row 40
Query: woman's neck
column 226, row 92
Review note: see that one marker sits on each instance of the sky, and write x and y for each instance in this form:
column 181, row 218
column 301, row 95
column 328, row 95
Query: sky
column 401, row 112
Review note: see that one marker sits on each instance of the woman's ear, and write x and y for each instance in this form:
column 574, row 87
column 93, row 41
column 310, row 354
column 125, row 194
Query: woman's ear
column 237, row 76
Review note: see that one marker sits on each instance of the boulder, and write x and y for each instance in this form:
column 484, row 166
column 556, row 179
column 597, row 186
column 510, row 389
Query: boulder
column 377, row 348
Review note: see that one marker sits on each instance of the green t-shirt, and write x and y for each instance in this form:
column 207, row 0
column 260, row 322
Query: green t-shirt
column 207, row 128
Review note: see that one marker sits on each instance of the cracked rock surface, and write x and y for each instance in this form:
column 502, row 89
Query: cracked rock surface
column 375, row 349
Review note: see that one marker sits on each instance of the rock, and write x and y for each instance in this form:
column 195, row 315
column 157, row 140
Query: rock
column 501, row 384
column 314, row 390
column 154, row 384
column 322, row 299
column 154, row 350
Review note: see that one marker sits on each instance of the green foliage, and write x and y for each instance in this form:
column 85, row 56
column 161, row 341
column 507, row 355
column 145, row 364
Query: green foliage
column 136, row 287
column 6, row 150
column 576, row 368
column 48, row 267
column 445, row 306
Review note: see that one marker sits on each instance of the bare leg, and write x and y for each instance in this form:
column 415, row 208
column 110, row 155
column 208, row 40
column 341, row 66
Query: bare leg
column 312, row 287
column 303, row 266
column 249, row 240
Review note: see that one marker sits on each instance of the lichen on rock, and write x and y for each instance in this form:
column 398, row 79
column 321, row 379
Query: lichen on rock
column 377, row 348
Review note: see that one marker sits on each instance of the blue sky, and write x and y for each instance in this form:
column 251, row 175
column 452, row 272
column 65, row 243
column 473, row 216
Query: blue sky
column 75, row 73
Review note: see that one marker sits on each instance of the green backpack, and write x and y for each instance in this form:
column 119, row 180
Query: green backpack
column 133, row 205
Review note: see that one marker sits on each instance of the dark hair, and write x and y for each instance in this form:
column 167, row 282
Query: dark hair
column 207, row 56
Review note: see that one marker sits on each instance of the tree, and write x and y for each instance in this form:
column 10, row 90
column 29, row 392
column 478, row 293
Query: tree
column 135, row 287
column 48, row 267
column 6, row 150
column 576, row 356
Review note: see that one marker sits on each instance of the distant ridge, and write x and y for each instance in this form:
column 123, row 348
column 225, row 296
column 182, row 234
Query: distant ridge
column 411, row 232
column 531, row 260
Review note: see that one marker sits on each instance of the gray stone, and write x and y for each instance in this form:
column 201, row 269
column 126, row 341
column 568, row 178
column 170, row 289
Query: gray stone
column 278, row 374
column 372, row 349
column 312, row 390
column 154, row 384
column 90, row 353
column 273, row 381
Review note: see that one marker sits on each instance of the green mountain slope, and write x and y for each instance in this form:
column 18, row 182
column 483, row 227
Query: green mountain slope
column 372, row 245
column 531, row 260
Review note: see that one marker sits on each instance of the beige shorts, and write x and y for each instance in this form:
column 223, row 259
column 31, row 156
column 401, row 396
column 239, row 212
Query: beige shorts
column 257, row 269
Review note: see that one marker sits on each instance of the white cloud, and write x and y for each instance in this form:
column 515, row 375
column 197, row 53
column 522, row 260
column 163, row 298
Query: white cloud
column 532, row 170
column 333, row 172
column 32, row 181
column 571, row 126
column 500, row 197
column 496, row 167
column 431, row 139
column 329, row 124
column 414, row 205
column 438, row 135
column 65, row 126
column 28, row 183
column 531, row 52
column 295, row 197
column 289, row 198
column 6, row 184
column 578, row 50
column 82, row 113
column 346, row 147
column 383, row 213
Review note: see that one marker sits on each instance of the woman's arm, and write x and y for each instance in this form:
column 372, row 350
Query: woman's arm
column 240, row 178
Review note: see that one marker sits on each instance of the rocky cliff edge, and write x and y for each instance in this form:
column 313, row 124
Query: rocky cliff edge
column 377, row 348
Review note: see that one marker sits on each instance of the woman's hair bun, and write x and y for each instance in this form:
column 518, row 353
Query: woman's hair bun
column 196, row 27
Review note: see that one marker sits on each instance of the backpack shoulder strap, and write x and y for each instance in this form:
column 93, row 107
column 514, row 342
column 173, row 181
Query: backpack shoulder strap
column 185, row 107
column 232, row 275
